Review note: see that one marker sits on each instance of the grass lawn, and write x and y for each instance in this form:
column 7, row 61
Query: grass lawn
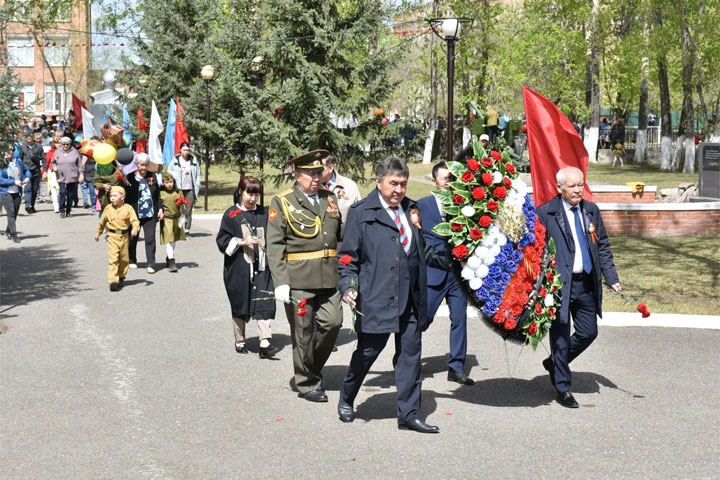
column 670, row 274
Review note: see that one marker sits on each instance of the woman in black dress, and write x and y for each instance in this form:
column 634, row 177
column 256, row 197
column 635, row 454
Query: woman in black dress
column 241, row 240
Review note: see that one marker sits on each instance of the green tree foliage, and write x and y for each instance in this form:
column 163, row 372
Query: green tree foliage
column 10, row 114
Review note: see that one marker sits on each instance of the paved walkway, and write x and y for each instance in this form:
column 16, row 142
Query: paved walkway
column 145, row 383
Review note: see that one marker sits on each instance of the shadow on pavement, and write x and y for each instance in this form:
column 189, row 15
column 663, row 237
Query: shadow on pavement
column 36, row 273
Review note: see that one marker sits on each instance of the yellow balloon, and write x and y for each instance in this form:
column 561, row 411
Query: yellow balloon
column 103, row 153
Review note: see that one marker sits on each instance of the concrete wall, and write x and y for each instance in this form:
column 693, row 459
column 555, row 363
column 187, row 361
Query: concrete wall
column 661, row 219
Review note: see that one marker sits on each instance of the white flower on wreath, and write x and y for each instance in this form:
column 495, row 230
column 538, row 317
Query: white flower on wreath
column 549, row 300
column 497, row 177
column 495, row 251
column 481, row 271
column 467, row 273
column 474, row 261
column 520, row 187
column 468, row 211
column 501, row 239
column 476, row 283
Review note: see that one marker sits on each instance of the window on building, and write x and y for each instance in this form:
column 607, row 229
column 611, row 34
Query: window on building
column 27, row 96
column 57, row 11
column 21, row 52
column 58, row 98
column 22, row 10
column 56, row 54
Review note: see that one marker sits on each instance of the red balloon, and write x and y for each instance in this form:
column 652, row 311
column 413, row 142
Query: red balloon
column 384, row 121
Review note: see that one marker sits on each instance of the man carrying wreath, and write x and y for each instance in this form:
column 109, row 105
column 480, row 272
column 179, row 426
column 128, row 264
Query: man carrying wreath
column 583, row 256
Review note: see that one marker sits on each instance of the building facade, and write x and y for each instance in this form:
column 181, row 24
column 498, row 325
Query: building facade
column 49, row 51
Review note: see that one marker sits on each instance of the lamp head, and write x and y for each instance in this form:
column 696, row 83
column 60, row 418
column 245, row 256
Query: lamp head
column 450, row 28
column 208, row 73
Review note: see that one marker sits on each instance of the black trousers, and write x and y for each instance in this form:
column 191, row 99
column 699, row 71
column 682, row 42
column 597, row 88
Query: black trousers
column 68, row 195
column 32, row 187
column 11, row 203
column 147, row 225
column 406, row 362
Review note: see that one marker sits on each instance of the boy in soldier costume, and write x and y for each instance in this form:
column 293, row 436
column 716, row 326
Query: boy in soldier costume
column 119, row 218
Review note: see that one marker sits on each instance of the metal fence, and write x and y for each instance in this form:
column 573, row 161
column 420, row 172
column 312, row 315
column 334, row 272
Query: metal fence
column 653, row 139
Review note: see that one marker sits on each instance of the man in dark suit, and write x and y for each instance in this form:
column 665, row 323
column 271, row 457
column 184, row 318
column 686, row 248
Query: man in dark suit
column 583, row 256
column 386, row 281
column 441, row 283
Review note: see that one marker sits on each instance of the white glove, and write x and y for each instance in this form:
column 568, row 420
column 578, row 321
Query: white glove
column 282, row 293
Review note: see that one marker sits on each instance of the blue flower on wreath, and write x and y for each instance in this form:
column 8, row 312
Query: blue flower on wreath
column 494, row 271
column 489, row 310
column 504, row 278
column 482, row 294
column 511, row 267
column 517, row 256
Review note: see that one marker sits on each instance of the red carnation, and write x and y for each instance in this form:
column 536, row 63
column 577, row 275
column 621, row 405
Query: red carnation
column 496, row 155
column 551, row 312
column 510, row 168
column 301, row 312
column 302, row 303
column 473, row 164
column 510, row 323
column 516, row 310
column 487, row 179
column 533, row 328
column 234, row 213
column 487, row 162
column 118, row 175
column 641, row 307
column 507, row 182
column 538, row 308
column 476, row 234
column 458, row 199
column 553, row 263
column 645, row 314
column 345, row 259
column 543, row 292
column 457, row 227
column 500, row 193
column 550, row 276
column 467, row 177
column 493, row 205
column 485, row 221
column 460, row 252
column 478, row 193
column 499, row 317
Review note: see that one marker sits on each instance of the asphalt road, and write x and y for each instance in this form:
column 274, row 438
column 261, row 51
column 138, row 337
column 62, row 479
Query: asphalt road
column 145, row 383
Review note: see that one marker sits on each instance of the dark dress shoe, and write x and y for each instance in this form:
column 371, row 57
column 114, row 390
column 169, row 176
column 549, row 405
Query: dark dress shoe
column 8, row 234
column 268, row 352
column 418, row 425
column 567, row 400
column 15, row 238
column 114, row 286
column 550, row 367
column 317, row 396
column 345, row 411
column 460, row 378
column 28, row 209
column 62, row 214
column 242, row 349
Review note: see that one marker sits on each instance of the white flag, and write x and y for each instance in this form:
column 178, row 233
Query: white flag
column 156, row 127
column 87, row 122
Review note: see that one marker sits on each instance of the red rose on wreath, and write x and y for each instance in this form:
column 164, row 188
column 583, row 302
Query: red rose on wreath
column 516, row 310
column 458, row 199
column 496, row 155
column 543, row 292
column 510, row 323
column 553, row 263
column 533, row 328
column 473, row 164
column 510, row 168
column 345, row 259
column 500, row 193
column 302, row 303
column 487, row 179
column 487, row 162
column 460, row 252
column 478, row 193
column 476, row 234
column 493, row 205
column 538, row 308
column 551, row 312
column 550, row 276
column 485, row 221
column 457, row 227
column 499, row 317
column 507, row 182
column 467, row 177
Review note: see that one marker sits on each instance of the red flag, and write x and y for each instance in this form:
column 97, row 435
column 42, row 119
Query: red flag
column 553, row 143
column 77, row 106
column 181, row 134
column 141, row 145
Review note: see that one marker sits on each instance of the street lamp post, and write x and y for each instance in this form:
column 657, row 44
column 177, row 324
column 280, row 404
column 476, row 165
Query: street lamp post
column 449, row 29
column 208, row 74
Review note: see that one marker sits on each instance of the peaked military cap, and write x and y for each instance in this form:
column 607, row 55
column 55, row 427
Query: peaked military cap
column 310, row 161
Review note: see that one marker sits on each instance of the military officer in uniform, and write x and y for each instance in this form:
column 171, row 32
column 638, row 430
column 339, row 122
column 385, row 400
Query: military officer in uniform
column 303, row 232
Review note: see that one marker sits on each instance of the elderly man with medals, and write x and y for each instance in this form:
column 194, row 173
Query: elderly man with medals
column 303, row 233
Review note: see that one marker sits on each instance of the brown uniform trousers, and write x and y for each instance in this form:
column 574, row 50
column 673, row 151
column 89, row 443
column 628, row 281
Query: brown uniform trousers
column 119, row 221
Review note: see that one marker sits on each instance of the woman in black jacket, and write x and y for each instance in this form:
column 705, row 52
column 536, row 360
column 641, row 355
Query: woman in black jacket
column 143, row 193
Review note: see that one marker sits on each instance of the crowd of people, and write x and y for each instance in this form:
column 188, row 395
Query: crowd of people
column 319, row 244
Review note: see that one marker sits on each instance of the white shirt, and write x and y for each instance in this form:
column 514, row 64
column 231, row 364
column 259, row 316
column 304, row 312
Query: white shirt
column 186, row 181
column 578, row 263
column 401, row 213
